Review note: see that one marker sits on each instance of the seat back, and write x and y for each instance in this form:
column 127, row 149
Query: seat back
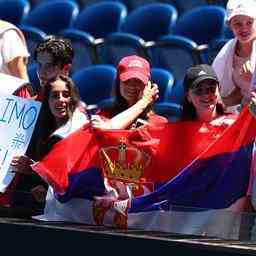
column 14, row 11
column 184, row 6
column 134, row 4
column 164, row 106
column 175, row 54
column 101, row 19
column 165, row 81
column 202, row 24
column 213, row 49
column 53, row 16
column 95, row 83
column 33, row 77
column 228, row 32
column 118, row 45
column 177, row 93
column 83, row 45
column 33, row 36
column 151, row 21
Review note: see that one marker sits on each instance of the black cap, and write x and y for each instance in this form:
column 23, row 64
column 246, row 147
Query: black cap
column 197, row 74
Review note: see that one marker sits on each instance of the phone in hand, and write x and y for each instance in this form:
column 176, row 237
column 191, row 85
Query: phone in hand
column 91, row 110
column 139, row 122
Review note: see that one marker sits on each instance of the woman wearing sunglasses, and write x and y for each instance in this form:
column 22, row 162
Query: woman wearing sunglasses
column 202, row 101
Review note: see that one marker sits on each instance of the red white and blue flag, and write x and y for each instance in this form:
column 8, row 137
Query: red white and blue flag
column 183, row 177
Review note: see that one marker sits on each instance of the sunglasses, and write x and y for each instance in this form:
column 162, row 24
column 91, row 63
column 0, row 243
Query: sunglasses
column 204, row 90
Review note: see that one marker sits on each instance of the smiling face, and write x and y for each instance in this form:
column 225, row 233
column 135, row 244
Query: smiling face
column 243, row 28
column 59, row 100
column 204, row 98
column 46, row 69
column 131, row 90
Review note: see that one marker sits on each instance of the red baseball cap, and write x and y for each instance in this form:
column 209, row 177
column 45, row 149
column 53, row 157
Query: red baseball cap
column 134, row 67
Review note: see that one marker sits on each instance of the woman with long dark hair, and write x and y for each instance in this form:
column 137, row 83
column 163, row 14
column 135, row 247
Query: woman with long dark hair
column 59, row 116
column 134, row 95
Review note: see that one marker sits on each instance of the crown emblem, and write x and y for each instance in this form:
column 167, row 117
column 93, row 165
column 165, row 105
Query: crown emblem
column 124, row 162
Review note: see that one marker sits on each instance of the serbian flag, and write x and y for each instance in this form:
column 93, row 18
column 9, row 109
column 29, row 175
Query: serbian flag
column 194, row 177
column 143, row 159
column 209, row 195
column 78, row 165
column 153, row 156
column 215, row 179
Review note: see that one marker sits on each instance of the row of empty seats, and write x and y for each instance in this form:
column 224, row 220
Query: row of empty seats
column 171, row 52
column 181, row 5
column 149, row 21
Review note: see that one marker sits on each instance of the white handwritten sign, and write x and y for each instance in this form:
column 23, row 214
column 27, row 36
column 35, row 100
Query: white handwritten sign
column 18, row 117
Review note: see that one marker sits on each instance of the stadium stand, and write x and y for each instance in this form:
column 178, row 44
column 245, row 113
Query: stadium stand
column 33, row 77
column 202, row 24
column 33, row 36
column 95, row 84
column 14, row 11
column 213, row 48
column 151, row 21
column 165, row 80
column 164, row 105
column 118, row 45
column 84, row 48
column 101, row 19
column 53, row 16
column 185, row 5
column 175, row 54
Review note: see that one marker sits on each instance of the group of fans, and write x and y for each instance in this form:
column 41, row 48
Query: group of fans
column 213, row 94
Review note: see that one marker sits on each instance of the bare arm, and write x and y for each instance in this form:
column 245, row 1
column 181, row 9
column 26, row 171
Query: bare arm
column 127, row 117
column 18, row 68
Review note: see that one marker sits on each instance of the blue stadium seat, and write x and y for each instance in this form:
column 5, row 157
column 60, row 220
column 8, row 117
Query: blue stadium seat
column 83, row 45
column 37, row 2
column 202, row 24
column 83, row 3
column 33, row 77
column 174, row 53
column 228, row 32
column 133, row 4
column 213, row 49
column 221, row 2
column 186, row 5
column 176, row 95
column 151, row 21
column 53, row 16
column 165, row 80
column 14, row 11
column 117, row 45
column 33, row 36
column 95, row 84
column 163, row 106
column 101, row 19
